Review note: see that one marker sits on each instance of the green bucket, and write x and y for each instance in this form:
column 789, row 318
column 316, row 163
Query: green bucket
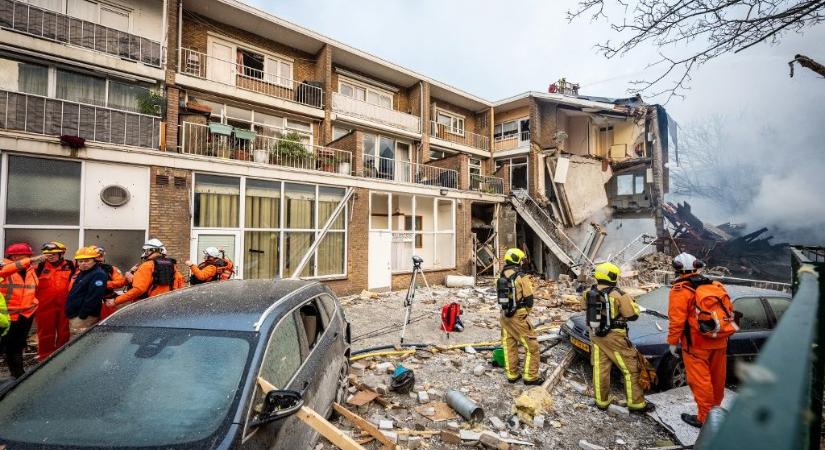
column 498, row 357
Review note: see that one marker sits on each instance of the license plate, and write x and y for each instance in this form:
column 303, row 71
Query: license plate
column 580, row 344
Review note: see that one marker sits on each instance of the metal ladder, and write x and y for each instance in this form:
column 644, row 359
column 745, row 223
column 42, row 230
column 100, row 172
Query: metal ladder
column 632, row 250
column 550, row 232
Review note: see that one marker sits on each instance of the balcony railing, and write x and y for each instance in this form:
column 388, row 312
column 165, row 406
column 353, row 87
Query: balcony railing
column 41, row 115
column 197, row 139
column 201, row 65
column 463, row 137
column 57, row 27
column 512, row 141
column 409, row 172
column 396, row 119
column 488, row 184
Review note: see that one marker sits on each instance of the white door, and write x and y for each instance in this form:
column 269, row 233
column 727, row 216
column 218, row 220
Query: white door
column 380, row 264
column 220, row 66
column 227, row 241
column 403, row 167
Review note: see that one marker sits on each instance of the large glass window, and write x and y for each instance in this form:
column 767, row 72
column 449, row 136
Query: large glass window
column 300, row 206
column 33, row 79
column 78, row 87
column 120, row 245
column 127, row 96
column 753, row 314
column 216, row 201
column 263, row 204
column 283, row 355
column 43, row 192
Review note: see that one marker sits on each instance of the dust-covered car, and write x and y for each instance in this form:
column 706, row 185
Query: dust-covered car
column 761, row 310
column 181, row 370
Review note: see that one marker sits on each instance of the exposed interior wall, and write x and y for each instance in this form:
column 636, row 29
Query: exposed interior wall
column 584, row 187
column 578, row 135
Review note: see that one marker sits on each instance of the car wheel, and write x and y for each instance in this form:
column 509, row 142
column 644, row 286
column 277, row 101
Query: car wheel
column 343, row 387
column 673, row 374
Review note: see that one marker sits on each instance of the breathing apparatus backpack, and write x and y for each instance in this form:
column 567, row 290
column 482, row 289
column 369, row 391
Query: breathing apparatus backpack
column 506, row 287
column 598, row 310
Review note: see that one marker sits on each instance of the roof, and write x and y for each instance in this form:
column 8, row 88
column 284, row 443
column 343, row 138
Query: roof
column 595, row 104
column 235, row 305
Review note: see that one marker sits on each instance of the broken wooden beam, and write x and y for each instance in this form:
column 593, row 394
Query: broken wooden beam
column 559, row 370
column 363, row 424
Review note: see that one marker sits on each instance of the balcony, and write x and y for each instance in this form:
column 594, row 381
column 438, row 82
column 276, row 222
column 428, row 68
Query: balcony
column 218, row 141
column 356, row 108
column 201, row 65
column 512, row 141
column 53, row 26
column 486, row 184
column 461, row 137
column 49, row 116
column 409, row 172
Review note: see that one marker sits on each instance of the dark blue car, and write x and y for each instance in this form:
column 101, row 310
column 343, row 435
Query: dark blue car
column 181, row 370
column 761, row 310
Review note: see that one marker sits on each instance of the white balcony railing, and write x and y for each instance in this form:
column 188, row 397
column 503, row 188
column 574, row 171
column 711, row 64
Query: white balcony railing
column 463, row 137
column 488, row 184
column 41, row 115
column 396, row 119
column 197, row 139
column 27, row 19
column 512, row 141
column 409, row 172
column 201, row 65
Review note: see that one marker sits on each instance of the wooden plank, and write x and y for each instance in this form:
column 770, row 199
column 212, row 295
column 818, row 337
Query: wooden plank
column 318, row 423
column 363, row 424
column 556, row 375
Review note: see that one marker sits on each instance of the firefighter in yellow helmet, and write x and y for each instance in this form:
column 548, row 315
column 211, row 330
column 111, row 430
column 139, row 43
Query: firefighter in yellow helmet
column 608, row 311
column 515, row 296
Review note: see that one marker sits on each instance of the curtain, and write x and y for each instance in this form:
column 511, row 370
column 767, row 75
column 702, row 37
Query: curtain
column 262, row 212
column 300, row 204
column 296, row 243
column 33, row 79
column 331, row 254
column 218, row 211
column 261, row 255
column 81, row 88
column 125, row 96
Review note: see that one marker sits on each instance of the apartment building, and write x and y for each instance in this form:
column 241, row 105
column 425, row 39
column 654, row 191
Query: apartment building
column 211, row 123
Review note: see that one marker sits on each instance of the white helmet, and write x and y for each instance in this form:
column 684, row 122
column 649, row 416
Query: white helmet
column 153, row 246
column 212, row 251
column 685, row 262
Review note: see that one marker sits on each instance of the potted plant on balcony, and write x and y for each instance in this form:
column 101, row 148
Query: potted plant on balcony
column 290, row 151
column 261, row 154
column 344, row 167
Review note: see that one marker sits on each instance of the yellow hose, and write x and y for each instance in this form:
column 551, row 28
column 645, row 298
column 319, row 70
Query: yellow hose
column 387, row 353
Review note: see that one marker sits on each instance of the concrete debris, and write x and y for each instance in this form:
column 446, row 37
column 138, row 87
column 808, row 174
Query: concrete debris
column 497, row 423
column 450, row 437
column 386, row 367
column 532, row 402
column 423, row 397
column 469, row 435
column 583, row 444
column 357, row 368
column 368, row 295
column 479, row 370
column 414, row 442
column 492, row 440
column 618, row 410
column 538, row 421
column 385, row 425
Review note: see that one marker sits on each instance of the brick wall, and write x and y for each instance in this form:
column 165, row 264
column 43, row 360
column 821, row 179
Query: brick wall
column 464, row 237
column 323, row 73
column 349, row 142
column 517, row 113
column 469, row 116
column 506, row 229
column 169, row 218
column 172, row 110
column 503, row 172
column 458, row 162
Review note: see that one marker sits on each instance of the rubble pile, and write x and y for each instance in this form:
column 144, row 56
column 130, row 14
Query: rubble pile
column 647, row 266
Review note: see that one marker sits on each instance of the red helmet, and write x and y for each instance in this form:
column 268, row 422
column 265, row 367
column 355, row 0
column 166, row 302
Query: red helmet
column 19, row 248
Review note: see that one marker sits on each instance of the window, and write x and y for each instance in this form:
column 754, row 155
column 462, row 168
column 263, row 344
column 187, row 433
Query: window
column 32, row 79
column 624, row 185
column 77, row 87
column 512, row 129
column 263, row 67
column 450, row 123
column 42, row 192
column 283, row 354
column 114, row 17
column 753, row 314
column 364, row 93
column 216, row 201
column 640, row 184
column 120, row 245
column 779, row 306
column 475, row 166
column 312, row 322
column 437, row 154
column 338, row 132
column 605, row 140
column 252, row 64
column 127, row 96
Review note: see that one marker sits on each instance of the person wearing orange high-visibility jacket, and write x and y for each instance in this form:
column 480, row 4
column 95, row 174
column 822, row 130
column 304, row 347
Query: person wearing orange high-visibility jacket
column 53, row 278
column 215, row 267
column 156, row 275
column 703, row 342
column 115, row 280
column 18, row 285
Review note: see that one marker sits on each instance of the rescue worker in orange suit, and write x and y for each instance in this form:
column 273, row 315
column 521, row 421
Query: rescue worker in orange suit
column 54, row 275
column 515, row 326
column 705, row 358
column 612, row 346
column 115, row 280
column 215, row 267
column 18, row 285
column 87, row 290
column 156, row 275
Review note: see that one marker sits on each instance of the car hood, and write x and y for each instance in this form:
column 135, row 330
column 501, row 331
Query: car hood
column 642, row 330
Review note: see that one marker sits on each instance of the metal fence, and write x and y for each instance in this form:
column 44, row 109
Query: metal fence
column 41, row 115
column 511, row 141
column 463, row 137
column 201, row 65
column 197, row 139
column 409, row 172
column 488, row 184
column 24, row 18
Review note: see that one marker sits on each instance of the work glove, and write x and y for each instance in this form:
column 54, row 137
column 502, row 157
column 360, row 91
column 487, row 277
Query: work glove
column 674, row 350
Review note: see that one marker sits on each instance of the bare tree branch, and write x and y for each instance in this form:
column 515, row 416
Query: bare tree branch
column 689, row 33
column 808, row 63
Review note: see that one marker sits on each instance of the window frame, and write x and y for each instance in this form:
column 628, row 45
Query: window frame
column 519, row 133
column 455, row 120
column 355, row 85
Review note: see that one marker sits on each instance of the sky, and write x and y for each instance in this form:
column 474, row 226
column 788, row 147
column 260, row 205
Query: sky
column 496, row 49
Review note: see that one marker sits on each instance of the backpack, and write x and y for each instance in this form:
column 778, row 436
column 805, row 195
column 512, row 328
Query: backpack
column 598, row 310
column 506, row 288
column 164, row 273
column 713, row 315
column 451, row 318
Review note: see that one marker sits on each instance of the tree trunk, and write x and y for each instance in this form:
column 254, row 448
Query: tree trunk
column 809, row 63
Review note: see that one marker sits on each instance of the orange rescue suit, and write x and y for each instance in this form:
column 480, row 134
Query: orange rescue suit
column 52, row 289
column 19, row 291
column 705, row 358
column 143, row 284
column 116, row 281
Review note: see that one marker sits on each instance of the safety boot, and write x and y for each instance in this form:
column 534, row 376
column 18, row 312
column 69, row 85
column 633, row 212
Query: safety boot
column 534, row 381
column 691, row 420
column 649, row 407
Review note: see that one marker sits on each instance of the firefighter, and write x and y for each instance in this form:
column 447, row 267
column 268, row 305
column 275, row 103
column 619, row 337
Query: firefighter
column 704, row 356
column 156, row 275
column 18, row 285
column 115, row 280
column 515, row 327
column 54, row 275
column 87, row 290
column 611, row 344
column 215, row 267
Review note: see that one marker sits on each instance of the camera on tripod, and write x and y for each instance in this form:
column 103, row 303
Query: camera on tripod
column 417, row 262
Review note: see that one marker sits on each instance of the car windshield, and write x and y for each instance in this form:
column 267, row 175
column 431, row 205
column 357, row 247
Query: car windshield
column 136, row 387
column 656, row 299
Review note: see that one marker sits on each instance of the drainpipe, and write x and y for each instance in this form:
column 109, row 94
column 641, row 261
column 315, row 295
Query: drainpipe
column 180, row 31
column 421, row 117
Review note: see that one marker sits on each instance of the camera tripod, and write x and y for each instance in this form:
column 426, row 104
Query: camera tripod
column 408, row 300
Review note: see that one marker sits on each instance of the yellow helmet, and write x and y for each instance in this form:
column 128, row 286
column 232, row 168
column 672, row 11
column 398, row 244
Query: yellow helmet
column 89, row 252
column 607, row 272
column 53, row 247
column 514, row 256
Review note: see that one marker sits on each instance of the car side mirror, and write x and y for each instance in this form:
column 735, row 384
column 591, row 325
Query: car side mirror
column 278, row 404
